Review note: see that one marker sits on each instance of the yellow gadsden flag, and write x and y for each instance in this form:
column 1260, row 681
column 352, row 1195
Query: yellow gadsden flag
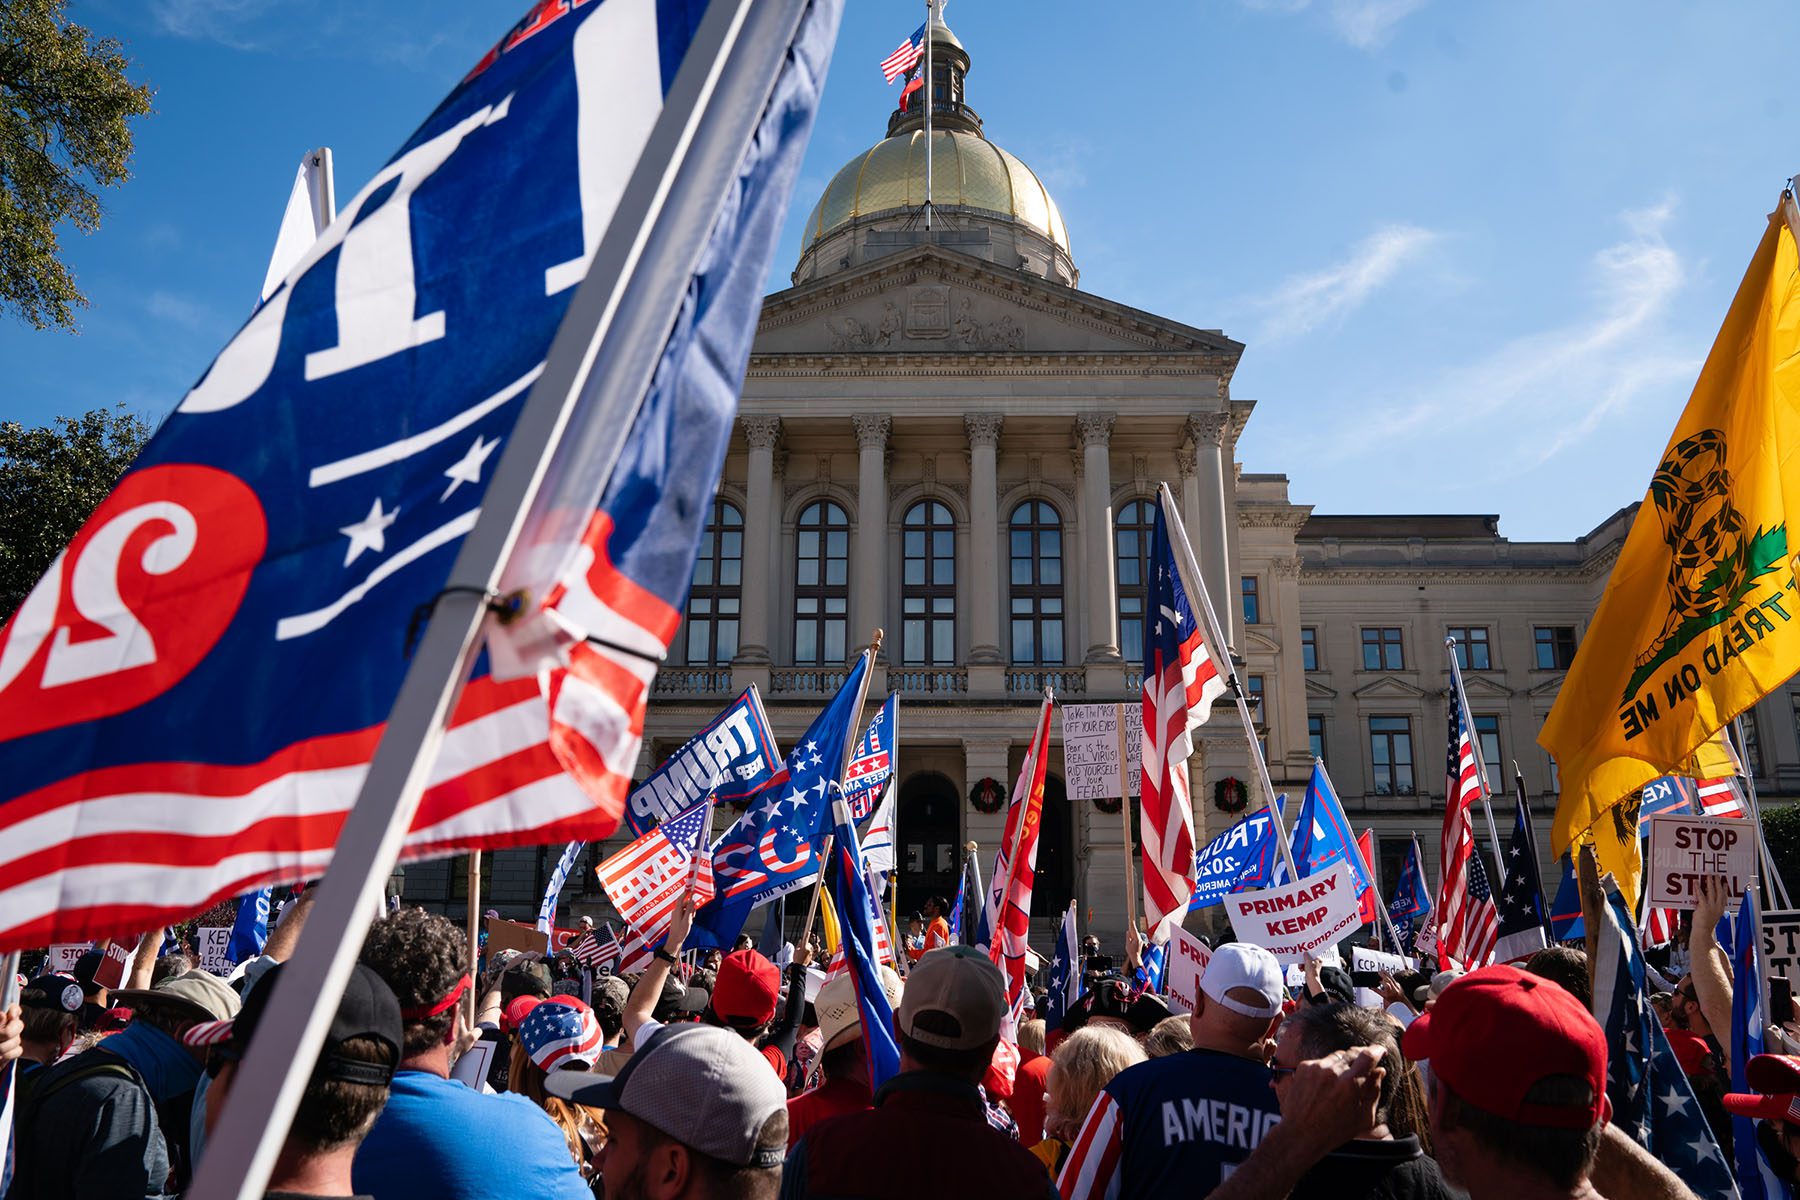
column 1700, row 618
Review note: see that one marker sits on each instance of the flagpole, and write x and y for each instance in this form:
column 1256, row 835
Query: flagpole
column 1544, row 902
column 1028, row 770
column 930, row 17
column 1195, row 585
column 1772, row 879
column 850, row 740
column 472, row 923
column 636, row 283
column 1461, row 700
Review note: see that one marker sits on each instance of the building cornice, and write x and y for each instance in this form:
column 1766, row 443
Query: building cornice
column 974, row 364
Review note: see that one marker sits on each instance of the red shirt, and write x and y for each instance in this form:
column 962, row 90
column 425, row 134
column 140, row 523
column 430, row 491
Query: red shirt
column 1027, row 1099
column 830, row 1098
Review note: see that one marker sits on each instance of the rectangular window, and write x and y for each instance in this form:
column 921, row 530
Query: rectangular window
column 1487, row 730
column 1252, row 601
column 1309, row 648
column 1390, row 861
column 1315, row 735
column 1253, row 690
column 1381, row 649
column 1471, row 647
column 1390, row 754
column 1555, row 646
column 1753, row 758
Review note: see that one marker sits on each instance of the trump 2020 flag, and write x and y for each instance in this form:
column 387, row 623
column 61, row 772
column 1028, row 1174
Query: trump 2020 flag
column 1697, row 622
column 774, row 847
column 731, row 759
column 190, row 698
column 1241, row 858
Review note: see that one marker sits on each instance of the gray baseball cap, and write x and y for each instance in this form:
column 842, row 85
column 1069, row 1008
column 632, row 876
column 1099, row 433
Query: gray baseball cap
column 699, row 1084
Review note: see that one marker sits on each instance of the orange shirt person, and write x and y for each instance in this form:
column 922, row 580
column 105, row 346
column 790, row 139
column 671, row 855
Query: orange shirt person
column 937, row 929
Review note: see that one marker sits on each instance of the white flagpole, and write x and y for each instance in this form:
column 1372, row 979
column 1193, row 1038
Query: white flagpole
column 1194, row 584
column 1460, row 698
column 633, row 289
column 930, row 19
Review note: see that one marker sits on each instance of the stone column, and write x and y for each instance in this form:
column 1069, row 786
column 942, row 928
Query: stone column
column 1093, row 431
column 761, row 523
column 1206, row 529
column 982, row 591
column 868, row 589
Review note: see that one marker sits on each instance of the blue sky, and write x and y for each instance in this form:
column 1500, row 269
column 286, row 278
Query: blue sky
column 1477, row 251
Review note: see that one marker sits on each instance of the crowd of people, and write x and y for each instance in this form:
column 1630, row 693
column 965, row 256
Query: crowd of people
column 743, row 1078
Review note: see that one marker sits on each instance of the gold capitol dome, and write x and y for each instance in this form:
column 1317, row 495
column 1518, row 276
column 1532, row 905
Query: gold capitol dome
column 882, row 191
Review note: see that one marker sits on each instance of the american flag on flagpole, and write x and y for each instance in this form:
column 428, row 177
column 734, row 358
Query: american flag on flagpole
column 1182, row 678
column 905, row 57
column 647, row 877
column 1723, row 797
column 1468, row 924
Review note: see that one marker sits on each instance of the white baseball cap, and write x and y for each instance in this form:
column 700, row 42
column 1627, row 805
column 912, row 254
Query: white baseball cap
column 1241, row 965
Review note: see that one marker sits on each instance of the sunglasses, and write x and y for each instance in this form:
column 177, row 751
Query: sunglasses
column 1280, row 1073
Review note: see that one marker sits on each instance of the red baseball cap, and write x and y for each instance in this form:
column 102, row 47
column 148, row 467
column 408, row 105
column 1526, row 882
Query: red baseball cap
column 1776, row 1078
column 516, row 1012
column 747, row 988
column 1495, row 1032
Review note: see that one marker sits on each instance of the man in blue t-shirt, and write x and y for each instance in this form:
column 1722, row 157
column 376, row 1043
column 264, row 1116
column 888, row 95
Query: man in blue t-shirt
column 437, row 1138
column 1179, row 1125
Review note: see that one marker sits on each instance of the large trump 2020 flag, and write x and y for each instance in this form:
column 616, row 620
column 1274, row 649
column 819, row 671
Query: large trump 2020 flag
column 1700, row 618
column 190, row 698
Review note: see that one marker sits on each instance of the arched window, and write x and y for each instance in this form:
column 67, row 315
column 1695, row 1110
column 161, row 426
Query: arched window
column 821, row 583
column 712, row 611
column 1132, row 531
column 928, row 586
column 1037, row 575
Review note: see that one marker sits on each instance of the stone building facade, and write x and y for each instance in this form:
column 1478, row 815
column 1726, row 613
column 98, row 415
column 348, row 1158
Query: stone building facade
column 943, row 436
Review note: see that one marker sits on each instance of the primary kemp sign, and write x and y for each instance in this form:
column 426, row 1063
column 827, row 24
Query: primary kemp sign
column 1188, row 956
column 1685, row 850
column 1298, row 919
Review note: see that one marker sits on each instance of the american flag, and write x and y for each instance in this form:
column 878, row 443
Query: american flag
column 647, row 877
column 1015, row 867
column 593, row 953
column 905, row 57
column 1182, row 678
column 200, row 725
column 872, row 762
column 1467, row 923
column 1722, row 797
column 555, row 1034
column 1522, row 895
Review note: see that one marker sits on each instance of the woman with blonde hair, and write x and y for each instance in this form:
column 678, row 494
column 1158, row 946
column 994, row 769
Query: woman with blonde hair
column 1084, row 1063
column 560, row 1033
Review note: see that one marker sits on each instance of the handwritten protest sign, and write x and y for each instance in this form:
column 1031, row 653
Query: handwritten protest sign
column 215, row 949
column 1298, row 919
column 1091, row 750
column 64, row 957
column 1781, row 943
column 1685, row 850
column 1188, row 957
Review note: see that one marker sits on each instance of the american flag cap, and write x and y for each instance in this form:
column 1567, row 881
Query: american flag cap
column 558, row 1032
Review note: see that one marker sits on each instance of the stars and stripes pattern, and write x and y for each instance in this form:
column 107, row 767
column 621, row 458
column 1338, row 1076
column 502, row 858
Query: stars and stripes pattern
column 1183, row 676
column 556, row 1034
column 593, row 953
column 878, row 839
column 1652, row 1100
column 1091, row 1171
column 905, row 57
column 1522, row 895
column 1722, row 797
column 308, row 498
column 872, row 761
column 1466, row 927
column 647, row 877
column 1063, row 988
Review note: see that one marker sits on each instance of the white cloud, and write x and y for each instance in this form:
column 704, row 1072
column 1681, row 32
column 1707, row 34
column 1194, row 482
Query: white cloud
column 227, row 22
column 1537, row 395
column 1365, row 24
column 1305, row 302
column 179, row 310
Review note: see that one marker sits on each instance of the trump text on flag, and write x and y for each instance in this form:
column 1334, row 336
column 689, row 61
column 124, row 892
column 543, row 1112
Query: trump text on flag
column 1297, row 919
column 1686, row 850
column 732, row 758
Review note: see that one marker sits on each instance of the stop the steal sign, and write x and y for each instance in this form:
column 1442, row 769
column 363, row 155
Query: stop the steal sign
column 1298, row 919
column 1685, row 850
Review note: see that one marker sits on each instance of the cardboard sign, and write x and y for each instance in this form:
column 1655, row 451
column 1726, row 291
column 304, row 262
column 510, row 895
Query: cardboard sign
column 1685, row 850
column 215, row 946
column 527, row 939
column 1781, row 943
column 115, row 967
column 1298, row 919
column 63, row 958
column 1091, row 751
column 1188, row 956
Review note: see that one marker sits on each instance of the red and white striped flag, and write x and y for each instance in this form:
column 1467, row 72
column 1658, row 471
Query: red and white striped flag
column 1183, row 675
column 1015, row 871
column 1467, row 923
column 1721, row 797
column 905, row 57
column 647, row 877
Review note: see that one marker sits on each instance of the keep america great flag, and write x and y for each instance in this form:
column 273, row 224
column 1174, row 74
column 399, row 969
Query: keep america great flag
column 190, row 698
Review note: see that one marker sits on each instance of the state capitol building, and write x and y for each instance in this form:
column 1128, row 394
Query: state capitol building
column 943, row 435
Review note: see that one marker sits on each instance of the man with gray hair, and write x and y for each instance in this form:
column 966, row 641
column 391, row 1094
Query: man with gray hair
column 1178, row 1125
